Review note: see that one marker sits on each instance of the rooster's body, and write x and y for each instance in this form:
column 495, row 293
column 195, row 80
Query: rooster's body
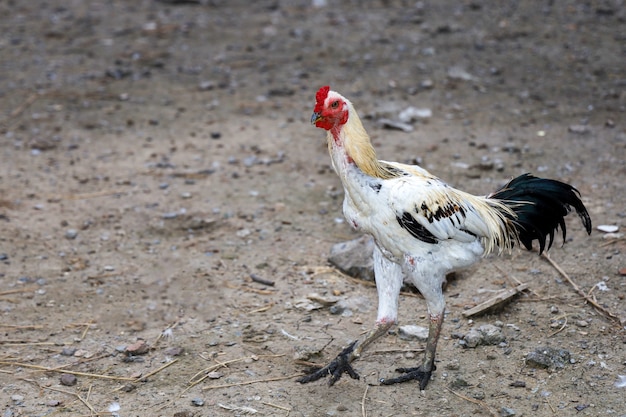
column 425, row 229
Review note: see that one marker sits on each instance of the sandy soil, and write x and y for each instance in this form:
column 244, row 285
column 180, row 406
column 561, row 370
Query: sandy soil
column 157, row 154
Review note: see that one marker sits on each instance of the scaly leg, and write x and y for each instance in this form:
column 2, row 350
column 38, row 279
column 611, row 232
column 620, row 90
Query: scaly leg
column 423, row 372
column 388, row 283
column 430, row 287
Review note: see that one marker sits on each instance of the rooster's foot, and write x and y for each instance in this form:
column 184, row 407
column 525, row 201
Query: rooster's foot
column 335, row 368
column 410, row 374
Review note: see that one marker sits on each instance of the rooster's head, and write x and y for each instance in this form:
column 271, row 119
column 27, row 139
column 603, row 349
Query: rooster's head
column 331, row 109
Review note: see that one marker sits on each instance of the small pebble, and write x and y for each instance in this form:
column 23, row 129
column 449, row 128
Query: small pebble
column 68, row 351
column 608, row 228
column 140, row 347
column 547, row 357
column 174, row 351
column 579, row 129
column 68, row 380
column 71, row 234
column 507, row 412
column 582, row 323
column 3, row 256
column 198, row 402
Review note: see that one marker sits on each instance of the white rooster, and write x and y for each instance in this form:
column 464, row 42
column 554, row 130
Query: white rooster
column 425, row 229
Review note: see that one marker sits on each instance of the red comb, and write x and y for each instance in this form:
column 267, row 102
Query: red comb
column 321, row 95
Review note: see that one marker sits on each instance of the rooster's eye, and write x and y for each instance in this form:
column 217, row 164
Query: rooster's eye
column 334, row 104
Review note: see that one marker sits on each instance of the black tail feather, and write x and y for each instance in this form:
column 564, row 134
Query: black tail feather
column 540, row 206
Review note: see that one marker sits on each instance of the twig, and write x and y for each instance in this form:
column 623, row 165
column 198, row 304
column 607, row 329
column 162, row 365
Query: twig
column 26, row 289
column 20, row 109
column 610, row 242
column 550, row 405
column 262, row 309
column 495, row 302
column 46, row 369
column 280, row 407
column 143, row 378
column 253, row 381
column 83, row 400
column 517, row 281
column 475, row 401
column 256, row 278
column 27, row 327
column 612, row 317
column 562, row 327
column 25, row 343
column 384, row 352
column 363, row 410
column 85, row 196
column 193, row 381
column 250, row 289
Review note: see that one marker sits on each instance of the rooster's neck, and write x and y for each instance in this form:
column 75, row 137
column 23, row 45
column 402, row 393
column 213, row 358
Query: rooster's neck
column 354, row 143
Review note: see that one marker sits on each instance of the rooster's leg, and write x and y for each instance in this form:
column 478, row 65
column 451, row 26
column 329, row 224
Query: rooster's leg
column 430, row 287
column 389, row 278
column 423, row 372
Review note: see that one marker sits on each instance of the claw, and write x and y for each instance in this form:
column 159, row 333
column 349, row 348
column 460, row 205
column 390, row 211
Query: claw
column 336, row 368
column 423, row 377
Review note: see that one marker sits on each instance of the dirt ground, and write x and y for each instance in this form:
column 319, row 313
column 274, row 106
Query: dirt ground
column 157, row 155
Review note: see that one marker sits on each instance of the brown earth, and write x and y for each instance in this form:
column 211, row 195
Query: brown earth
column 157, row 154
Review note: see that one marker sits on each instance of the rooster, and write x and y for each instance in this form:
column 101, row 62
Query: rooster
column 425, row 229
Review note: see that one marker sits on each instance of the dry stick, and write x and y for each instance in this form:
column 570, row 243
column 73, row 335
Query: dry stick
column 27, row 289
column 192, row 381
column 363, row 411
column 20, row 109
column 562, row 327
column 110, row 377
column 610, row 242
column 83, row 400
column 254, row 381
column 509, row 276
column 46, row 369
column 280, row 407
column 157, row 370
column 262, row 309
column 386, row 351
column 500, row 299
column 17, row 342
column 550, row 405
column 475, row 401
column 85, row 196
column 256, row 278
column 27, row 327
column 612, row 317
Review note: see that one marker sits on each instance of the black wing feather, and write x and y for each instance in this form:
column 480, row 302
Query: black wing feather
column 415, row 229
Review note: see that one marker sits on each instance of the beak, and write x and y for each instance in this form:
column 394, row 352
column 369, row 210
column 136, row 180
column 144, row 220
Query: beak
column 316, row 118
